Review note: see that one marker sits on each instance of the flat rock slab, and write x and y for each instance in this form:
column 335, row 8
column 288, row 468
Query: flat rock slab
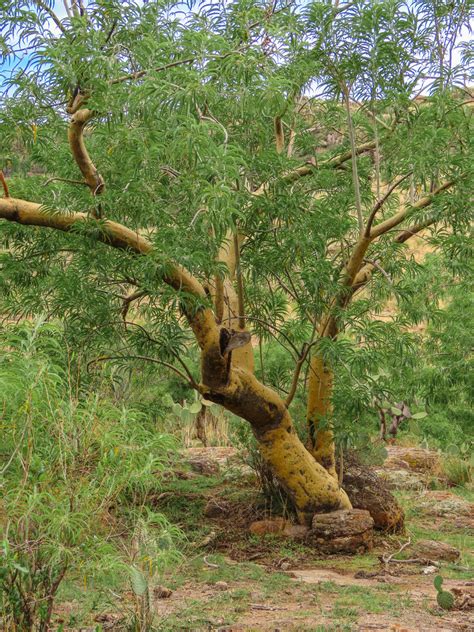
column 321, row 576
column 441, row 503
column 402, row 479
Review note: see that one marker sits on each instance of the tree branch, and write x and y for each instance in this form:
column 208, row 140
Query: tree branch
column 128, row 300
column 378, row 205
column 4, row 184
column 186, row 378
column 279, row 134
column 240, row 283
column 413, row 230
column 42, row 5
column 296, row 374
column 92, row 177
column 398, row 218
column 307, row 168
column 355, row 173
column 110, row 233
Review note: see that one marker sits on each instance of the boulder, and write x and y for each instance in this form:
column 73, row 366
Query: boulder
column 343, row 531
column 418, row 459
column 367, row 490
column 434, row 550
column 401, row 479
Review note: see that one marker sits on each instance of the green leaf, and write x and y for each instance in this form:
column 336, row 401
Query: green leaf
column 138, row 581
column 420, row 415
column 195, row 408
column 177, row 410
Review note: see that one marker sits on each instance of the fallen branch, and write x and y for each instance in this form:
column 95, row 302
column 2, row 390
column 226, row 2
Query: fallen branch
column 388, row 559
column 210, row 564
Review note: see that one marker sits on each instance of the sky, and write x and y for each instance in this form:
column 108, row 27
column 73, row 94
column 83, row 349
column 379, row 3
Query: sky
column 59, row 9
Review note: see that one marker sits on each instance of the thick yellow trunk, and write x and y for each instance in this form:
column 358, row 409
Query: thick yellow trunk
column 309, row 485
column 319, row 413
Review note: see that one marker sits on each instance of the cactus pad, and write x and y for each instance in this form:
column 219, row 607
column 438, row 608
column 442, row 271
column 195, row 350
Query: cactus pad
column 445, row 599
column 438, row 581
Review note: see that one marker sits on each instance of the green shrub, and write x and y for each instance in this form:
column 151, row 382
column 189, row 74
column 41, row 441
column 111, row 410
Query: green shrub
column 75, row 475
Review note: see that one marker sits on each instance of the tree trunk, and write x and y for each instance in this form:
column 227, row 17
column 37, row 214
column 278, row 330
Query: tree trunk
column 308, row 484
column 319, row 413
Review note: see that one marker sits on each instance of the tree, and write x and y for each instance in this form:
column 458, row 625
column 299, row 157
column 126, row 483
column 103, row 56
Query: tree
column 251, row 168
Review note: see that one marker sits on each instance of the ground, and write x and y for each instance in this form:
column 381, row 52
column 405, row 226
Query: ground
column 232, row 580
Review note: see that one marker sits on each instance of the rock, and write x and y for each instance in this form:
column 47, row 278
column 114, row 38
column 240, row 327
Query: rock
column 216, row 508
column 401, row 479
column 204, row 466
column 273, row 525
column 440, row 503
column 366, row 490
column 434, row 550
column 161, row 592
column 418, row 459
column 343, row 531
column 221, row 585
column 295, row 530
column 278, row 526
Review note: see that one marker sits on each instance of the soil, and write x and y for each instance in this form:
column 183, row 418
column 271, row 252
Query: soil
column 234, row 580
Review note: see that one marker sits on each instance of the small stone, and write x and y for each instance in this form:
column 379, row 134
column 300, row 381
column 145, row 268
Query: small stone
column 434, row 550
column 221, row 585
column 284, row 566
column 162, row 592
column 428, row 570
column 263, row 527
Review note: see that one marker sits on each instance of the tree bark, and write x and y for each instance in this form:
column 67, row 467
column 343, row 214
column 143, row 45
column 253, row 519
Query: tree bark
column 308, row 484
column 319, row 413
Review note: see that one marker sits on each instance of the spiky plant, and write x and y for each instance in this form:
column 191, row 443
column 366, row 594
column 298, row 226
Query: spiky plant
column 444, row 598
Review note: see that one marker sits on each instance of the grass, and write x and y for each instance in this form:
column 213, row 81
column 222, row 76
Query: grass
column 202, row 605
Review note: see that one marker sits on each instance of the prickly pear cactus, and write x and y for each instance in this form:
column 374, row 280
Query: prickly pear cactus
column 444, row 598
column 438, row 582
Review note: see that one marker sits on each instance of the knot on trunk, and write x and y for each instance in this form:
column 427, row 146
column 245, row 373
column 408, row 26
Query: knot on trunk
column 230, row 339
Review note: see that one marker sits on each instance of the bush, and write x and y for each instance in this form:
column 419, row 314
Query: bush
column 75, row 475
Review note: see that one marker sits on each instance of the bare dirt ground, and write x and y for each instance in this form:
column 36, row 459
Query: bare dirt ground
column 232, row 580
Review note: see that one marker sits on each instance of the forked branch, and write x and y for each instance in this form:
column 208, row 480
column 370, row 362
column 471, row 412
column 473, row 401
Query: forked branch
column 92, row 177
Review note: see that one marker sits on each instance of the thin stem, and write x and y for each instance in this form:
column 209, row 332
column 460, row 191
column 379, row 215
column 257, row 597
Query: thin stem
column 42, row 5
column 378, row 205
column 147, row 359
column 240, row 283
column 355, row 174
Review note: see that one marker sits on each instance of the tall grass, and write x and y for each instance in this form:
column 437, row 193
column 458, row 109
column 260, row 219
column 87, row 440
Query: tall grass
column 75, row 475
